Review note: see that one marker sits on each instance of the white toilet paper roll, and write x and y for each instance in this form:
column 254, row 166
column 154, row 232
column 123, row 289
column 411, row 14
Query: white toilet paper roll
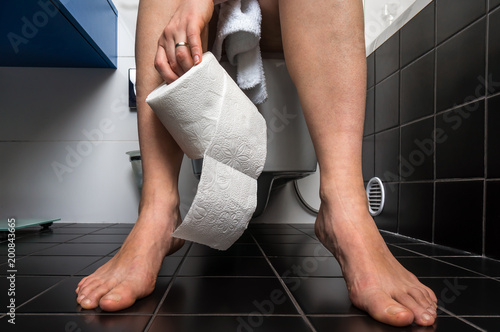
column 211, row 118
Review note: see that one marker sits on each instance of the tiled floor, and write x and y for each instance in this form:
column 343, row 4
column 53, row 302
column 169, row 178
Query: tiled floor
column 275, row 278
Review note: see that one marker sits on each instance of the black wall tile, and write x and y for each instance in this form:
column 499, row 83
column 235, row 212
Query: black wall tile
column 416, row 210
column 387, row 103
column 459, row 211
column 417, row 36
column 417, row 89
column 492, row 239
column 368, row 157
column 454, row 15
column 387, row 155
column 460, row 67
column 460, row 142
column 494, row 52
column 494, row 4
column 370, row 70
column 494, row 137
column 417, row 151
column 388, row 219
column 387, row 58
column 370, row 112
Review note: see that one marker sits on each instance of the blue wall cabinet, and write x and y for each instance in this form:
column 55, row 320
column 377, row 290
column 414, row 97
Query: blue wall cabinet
column 58, row 33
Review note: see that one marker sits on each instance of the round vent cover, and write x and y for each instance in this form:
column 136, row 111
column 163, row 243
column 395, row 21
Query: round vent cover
column 376, row 196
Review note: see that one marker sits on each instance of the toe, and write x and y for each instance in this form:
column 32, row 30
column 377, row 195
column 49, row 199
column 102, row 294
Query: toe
column 118, row 298
column 422, row 310
column 90, row 298
column 383, row 308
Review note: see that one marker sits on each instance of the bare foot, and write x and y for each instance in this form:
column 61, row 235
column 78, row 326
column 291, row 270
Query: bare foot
column 377, row 282
column 131, row 273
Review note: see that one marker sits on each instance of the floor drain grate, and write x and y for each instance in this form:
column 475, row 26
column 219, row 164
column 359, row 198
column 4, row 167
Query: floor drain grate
column 376, row 196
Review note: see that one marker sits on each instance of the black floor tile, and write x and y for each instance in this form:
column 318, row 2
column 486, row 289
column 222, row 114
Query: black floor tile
column 257, row 226
column 53, row 265
column 489, row 324
column 283, row 231
column 79, row 249
column 45, row 237
column 245, row 238
column 303, row 226
column 77, row 323
column 25, row 248
column 227, row 296
column 127, row 226
column 72, row 230
column 466, row 296
column 244, row 323
column 433, row 250
column 25, row 288
column 278, row 238
column 296, row 249
column 66, row 300
column 88, row 225
column 101, row 238
column 168, row 267
column 113, row 231
column 483, row 265
column 310, row 232
column 428, row 267
column 235, row 250
column 215, row 289
column 322, row 295
column 182, row 251
column 367, row 324
column 225, row 266
column 306, row 266
column 93, row 267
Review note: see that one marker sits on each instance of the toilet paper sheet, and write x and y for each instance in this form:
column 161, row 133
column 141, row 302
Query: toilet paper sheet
column 211, row 118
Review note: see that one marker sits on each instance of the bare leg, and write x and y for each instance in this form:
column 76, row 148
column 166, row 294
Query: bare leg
column 132, row 272
column 325, row 54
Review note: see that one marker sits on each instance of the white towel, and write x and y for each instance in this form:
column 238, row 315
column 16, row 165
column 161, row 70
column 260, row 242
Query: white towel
column 209, row 116
column 239, row 27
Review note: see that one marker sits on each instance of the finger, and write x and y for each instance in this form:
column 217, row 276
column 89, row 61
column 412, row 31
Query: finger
column 162, row 65
column 183, row 57
column 194, row 40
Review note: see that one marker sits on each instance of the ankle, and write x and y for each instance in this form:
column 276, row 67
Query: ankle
column 159, row 198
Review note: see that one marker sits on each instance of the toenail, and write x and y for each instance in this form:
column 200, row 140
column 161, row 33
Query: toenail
column 394, row 310
column 426, row 317
column 80, row 298
column 431, row 311
column 112, row 297
column 86, row 302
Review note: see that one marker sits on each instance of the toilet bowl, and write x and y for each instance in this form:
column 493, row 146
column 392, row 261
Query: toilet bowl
column 290, row 152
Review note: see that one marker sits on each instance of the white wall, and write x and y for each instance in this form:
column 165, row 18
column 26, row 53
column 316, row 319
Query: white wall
column 49, row 114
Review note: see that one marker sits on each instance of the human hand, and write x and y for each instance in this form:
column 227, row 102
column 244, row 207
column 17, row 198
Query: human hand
column 186, row 25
